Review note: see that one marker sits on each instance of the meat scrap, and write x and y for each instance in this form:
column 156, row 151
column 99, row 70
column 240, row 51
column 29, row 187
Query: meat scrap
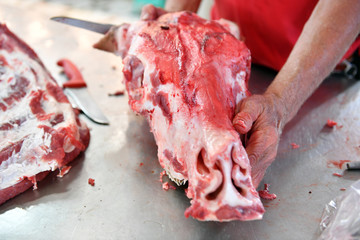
column 330, row 123
column 265, row 194
column 166, row 186
column 117, row 93
column 186, row 75
column 39, row 131
column 91, row 181
column 294, row 145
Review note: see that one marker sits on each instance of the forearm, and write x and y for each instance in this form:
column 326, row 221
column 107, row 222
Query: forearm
column 326, row 36
column 180, row 5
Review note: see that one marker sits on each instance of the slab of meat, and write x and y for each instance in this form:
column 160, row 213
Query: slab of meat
column 186, row 75
column 39, row 130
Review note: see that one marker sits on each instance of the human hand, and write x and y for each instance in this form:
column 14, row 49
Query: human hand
column 260, row 117
column 150, row 12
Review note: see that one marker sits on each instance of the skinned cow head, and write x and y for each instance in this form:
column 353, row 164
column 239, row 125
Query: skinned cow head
column 186, row 75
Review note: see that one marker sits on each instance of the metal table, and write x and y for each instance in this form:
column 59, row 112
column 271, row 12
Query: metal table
column 127, row 201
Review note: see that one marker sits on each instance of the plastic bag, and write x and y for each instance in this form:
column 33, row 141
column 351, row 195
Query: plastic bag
column 341, row 216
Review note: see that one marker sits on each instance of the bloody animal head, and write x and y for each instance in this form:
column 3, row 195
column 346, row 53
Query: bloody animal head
column 186, row 75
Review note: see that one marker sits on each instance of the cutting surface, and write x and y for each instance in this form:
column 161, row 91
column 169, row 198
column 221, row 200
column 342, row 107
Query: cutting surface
column 127, row 201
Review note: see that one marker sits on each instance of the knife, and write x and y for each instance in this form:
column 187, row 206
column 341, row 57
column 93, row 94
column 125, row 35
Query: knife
column 92, row 26
column 75, row 89
column 353, row 166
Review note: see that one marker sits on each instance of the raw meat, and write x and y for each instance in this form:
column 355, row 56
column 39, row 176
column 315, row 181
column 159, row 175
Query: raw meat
column 91, row 181
column 265, row 194
column 186, row 75
column 330, row 123
column 39, row 130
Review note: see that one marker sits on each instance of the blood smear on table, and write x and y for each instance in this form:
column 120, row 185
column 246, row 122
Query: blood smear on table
column 337, row 175
column 294, row 145
column 338, row 164
column 117, row 93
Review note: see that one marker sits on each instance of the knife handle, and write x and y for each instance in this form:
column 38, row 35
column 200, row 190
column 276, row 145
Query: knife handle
column 76, row 80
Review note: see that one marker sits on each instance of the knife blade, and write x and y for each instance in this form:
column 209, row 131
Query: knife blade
column 75, row 89
column 84, row 101
column 92, row 26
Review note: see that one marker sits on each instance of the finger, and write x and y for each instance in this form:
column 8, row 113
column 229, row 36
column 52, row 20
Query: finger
column 255, row 147
column 249, row 112
column 261, row 150
column 243, row 122
column 261, row 146
column 150, row 12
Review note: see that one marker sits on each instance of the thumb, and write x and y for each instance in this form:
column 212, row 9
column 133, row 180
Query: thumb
column 243, row 121
column 150, row 12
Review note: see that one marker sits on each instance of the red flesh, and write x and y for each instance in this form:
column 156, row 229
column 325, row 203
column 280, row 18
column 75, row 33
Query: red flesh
column 91, row 181
column 265, row 194
column 330, row 123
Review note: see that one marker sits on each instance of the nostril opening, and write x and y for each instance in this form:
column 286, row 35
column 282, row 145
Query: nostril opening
column 200, row 164
column 243, row 171
column 241, row 190
column 213, row 195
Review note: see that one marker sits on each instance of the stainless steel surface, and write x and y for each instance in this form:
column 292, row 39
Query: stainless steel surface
column 92, row 26
column 127, row 201
column 83, row 100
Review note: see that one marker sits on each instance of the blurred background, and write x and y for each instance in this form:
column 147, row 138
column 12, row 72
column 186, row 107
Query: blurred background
column 122, row 8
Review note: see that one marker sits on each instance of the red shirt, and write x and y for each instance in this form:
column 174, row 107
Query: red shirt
column 270, row 27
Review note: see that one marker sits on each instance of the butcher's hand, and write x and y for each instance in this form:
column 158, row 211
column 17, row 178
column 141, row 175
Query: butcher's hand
column 260, row 118
column 150, row 12
column 326, row 36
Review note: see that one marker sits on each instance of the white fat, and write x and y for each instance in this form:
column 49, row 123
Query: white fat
column 27, row 162
column 240, row 79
